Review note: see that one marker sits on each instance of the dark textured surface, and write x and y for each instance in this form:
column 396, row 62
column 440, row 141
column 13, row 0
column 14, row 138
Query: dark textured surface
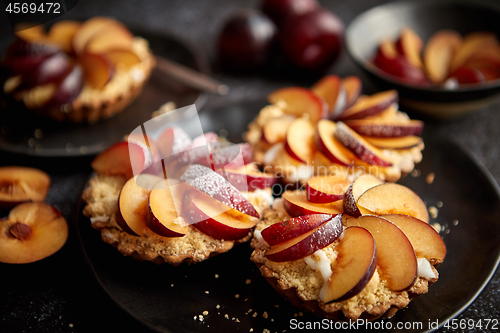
column 60, row 294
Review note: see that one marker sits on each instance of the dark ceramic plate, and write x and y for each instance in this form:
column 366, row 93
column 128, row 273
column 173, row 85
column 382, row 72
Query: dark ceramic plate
column 168, row 298
column 66, row 139
column 425, row 17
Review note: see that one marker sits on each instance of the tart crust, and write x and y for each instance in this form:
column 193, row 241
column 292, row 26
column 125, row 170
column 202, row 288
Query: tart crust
column 101, row 197
column 300, row 284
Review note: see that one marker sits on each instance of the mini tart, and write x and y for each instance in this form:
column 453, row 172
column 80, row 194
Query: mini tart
column 101, row 196
column 275, row 159
column 93, row 104
column 300, row 284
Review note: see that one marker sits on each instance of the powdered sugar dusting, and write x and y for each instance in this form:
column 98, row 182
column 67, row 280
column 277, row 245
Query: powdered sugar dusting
column 199, row 148
column 216, row 186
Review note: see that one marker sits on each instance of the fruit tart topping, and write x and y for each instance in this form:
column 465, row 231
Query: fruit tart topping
column 203, row 196
column 425, row 240
column 292, row 228
column 325, row 189
column 401, row 247
column 165, row 207
column 355, row 265
column 370, row 105
column 296, row 204
column 249, row 178
column 299, row 142
column 393, row 199
column 308, row 242
column 298, row 101
column 395, row 255
column 216, row 186
column 359, row 146
column 216, row 219
column 355, row 190
column 132, row 205
column 363, row 132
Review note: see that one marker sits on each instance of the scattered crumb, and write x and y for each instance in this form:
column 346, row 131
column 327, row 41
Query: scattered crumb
column 276, row 305
column 436, row 227
column 38, row 134
column 237, row 296
column 216, row 276
column 295, row 315
column 217, row 306
column 172, row 285
column 447, row 231
column 265, row 315
column 226, row 316
column 430, row 178
column 70, row 325
column 272, row 320
column 249, row 310
column 201, row 318
column 415, row 173
column 301, row 314
column 439, row 204
column 250, row 330
column 195, row 317
column 246, row 299
column 455, row 222
column 205, row 313
column 254, row 314
column 207, row 292
column 223, row 133
column 266, row 331
column 237, row 320
column 433, row 212
column 248, row 281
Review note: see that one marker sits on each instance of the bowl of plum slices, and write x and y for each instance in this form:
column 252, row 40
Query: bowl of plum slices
column 442, row 56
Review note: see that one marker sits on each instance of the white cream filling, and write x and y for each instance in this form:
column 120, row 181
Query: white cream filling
column 97, row 219
column 278, row 204
column 264, row 195
column 318, row 261
column 425, row 269
column 258, row 236
column 303, row 173
column 271, row 153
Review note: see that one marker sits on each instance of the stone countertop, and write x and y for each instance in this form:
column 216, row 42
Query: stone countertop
column 87, row 308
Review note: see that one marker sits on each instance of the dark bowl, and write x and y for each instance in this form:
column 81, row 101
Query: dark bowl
column 425, row 17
